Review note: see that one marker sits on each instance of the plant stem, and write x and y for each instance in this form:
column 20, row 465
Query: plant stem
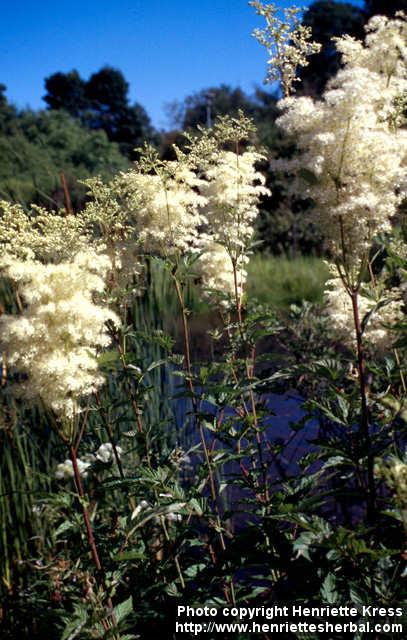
column 134, row 403
column 364, row 422
column 249, row 374
column 188, row 366
column 89, row 531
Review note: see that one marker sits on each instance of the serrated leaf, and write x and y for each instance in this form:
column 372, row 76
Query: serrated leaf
column 328, row 589
column 123, row 609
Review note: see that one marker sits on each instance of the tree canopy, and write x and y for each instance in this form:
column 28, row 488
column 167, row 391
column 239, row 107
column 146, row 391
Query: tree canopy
column 36, row 147
column 328, row 20
column 385, row 7
column 101, row 103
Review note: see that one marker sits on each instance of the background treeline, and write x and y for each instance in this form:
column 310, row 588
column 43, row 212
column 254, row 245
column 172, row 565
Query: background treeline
column 90, row 128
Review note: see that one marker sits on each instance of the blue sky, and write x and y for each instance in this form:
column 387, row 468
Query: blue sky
column 166, row 49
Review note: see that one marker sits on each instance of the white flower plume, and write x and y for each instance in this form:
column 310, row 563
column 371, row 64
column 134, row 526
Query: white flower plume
column 56, row 338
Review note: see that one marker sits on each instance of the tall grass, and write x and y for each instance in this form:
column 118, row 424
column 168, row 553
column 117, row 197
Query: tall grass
column 280, row 281
column 26, row 461
column 275, row 280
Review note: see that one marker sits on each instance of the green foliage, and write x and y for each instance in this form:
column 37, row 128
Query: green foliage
column 102, row 104
column 37, row 147
column 157, row 525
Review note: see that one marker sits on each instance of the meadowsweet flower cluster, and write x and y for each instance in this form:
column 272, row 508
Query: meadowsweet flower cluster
column 206, row 201
column 56, row 338
column 287, row 41
column 64, row 470
column 51, row 237
column 352, row 159
column 232, row 190
column 381, row 315
column 385, row 51
column 40, row 234
column 105, row 452
column 217, row 275
column 170, row 209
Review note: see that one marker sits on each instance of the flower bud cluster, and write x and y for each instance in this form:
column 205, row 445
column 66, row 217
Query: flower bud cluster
column 40, row 234
column 287, row 41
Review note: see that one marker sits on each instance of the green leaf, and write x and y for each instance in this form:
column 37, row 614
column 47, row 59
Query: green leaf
column 193, row 570
column 135, row 554
column 123, row 609
column 65, row 526
column 328, row 591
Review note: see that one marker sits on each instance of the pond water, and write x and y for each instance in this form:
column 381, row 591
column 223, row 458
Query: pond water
column 284, row 442
column 285, row 411
column 282, row 446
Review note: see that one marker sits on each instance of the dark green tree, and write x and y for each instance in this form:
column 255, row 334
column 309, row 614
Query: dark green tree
column 8, row 112
column 203, row 107
column 385, row 7
column 67, row 91
column 36, row 147
column 101, row 103
column 327, row 20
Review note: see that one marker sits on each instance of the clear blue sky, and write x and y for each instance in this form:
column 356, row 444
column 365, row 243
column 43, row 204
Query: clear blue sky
column 166, row 49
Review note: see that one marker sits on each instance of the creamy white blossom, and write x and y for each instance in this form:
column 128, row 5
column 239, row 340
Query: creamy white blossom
column 64, row 470
column 56, row 338
column 169, row 213
column 105, row 452
column 217, row 276
column 381, row 317
column 352, row 159
column 233, row 188
column 385, row 51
